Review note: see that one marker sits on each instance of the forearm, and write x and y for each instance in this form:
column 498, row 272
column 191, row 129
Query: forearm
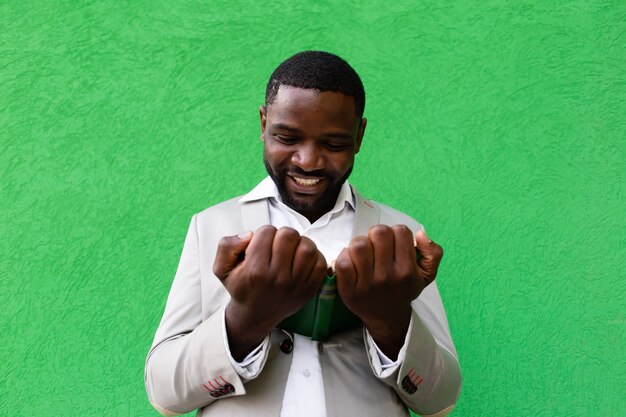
column 245, row 333
column 425, row 376
column 389, row 333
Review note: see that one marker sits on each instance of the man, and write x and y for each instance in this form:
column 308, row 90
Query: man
column 251, row 262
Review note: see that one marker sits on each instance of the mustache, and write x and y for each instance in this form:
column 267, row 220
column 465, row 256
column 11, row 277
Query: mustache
column 299, row 171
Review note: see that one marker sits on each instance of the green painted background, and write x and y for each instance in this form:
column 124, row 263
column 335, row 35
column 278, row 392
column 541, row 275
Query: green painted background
column 499, row 125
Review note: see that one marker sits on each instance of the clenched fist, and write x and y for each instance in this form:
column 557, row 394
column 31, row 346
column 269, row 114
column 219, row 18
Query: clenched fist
column 378, row 276
column 270, row 275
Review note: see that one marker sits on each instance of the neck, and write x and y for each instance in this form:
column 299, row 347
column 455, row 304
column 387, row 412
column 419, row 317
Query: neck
column 312, row 217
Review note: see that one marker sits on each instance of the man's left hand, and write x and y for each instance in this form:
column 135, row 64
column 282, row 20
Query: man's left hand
column 378, row 276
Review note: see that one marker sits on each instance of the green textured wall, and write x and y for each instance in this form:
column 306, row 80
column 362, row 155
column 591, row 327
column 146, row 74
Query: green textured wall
column 499, row 125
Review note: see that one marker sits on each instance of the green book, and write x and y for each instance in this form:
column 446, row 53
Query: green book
column 324, row 315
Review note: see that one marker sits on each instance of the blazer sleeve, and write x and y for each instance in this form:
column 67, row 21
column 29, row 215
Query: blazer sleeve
column 188, row 365
column 427, row 376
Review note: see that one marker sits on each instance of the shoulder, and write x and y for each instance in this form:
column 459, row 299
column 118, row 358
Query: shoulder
column 388, row 215
column 220, row 214
column 225, row 207
column 222, row 219
column 232, row 208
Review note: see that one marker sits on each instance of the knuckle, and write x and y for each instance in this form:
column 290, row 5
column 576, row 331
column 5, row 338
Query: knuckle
column 400, row 229
column 321, row 262
column 257, row 272
column 403, row 232
column 288, row 234
column 266, row 229
column 307, row 246
column 405, row 274
column 308, row 241
column 360, row 243
column 280, row 285
column 223, row 244
column 217, row 270
column 342, row 264
column 306, row 251
column 379, row 278
column 255, row 275
column 380, row 231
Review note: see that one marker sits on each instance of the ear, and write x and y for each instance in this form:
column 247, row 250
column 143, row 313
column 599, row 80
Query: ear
column 359, row 135
column 263, row 114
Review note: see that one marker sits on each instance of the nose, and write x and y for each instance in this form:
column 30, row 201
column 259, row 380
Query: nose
column 308, row 157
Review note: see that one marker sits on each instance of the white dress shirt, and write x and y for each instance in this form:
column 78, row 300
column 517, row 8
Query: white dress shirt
column 304, row 393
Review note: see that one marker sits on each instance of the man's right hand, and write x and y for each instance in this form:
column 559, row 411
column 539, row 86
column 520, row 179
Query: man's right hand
column 270, row 275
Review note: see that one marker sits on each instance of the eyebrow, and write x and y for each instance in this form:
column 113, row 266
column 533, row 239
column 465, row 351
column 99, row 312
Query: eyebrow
column 335, row 135
column 282, row 126
column 339, row 135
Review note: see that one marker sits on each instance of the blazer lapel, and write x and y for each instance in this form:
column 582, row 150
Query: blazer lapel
column 367, row 215
column 255, row 214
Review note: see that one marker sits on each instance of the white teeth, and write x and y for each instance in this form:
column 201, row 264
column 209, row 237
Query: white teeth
column 305, row 182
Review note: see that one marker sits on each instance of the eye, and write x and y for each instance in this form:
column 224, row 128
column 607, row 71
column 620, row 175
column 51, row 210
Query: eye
column 336, row 146
column 287, row 140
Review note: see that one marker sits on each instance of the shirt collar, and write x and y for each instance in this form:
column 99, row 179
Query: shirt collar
column 266, row 189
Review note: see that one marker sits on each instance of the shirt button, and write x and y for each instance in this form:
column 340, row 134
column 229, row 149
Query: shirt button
column 286, row 346
column 306, row 373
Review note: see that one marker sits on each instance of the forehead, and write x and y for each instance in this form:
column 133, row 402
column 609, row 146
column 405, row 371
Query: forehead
column 303, row 105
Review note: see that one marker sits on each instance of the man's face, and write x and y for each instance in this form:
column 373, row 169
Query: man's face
column 310, row 139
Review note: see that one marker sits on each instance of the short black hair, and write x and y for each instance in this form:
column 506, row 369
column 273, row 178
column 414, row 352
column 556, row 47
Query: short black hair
column 321, row 71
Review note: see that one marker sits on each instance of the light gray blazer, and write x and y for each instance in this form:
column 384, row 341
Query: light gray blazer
column 188, row 368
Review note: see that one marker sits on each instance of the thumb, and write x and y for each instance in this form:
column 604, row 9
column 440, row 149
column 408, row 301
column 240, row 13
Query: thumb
column 429, row 255
column 230, row 253
column 422, row 241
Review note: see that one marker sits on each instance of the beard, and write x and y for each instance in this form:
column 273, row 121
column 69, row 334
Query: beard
column 322, row 203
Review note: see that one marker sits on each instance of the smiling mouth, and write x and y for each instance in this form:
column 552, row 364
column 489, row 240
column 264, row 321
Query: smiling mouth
column 306, row 182
column 303, row 185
